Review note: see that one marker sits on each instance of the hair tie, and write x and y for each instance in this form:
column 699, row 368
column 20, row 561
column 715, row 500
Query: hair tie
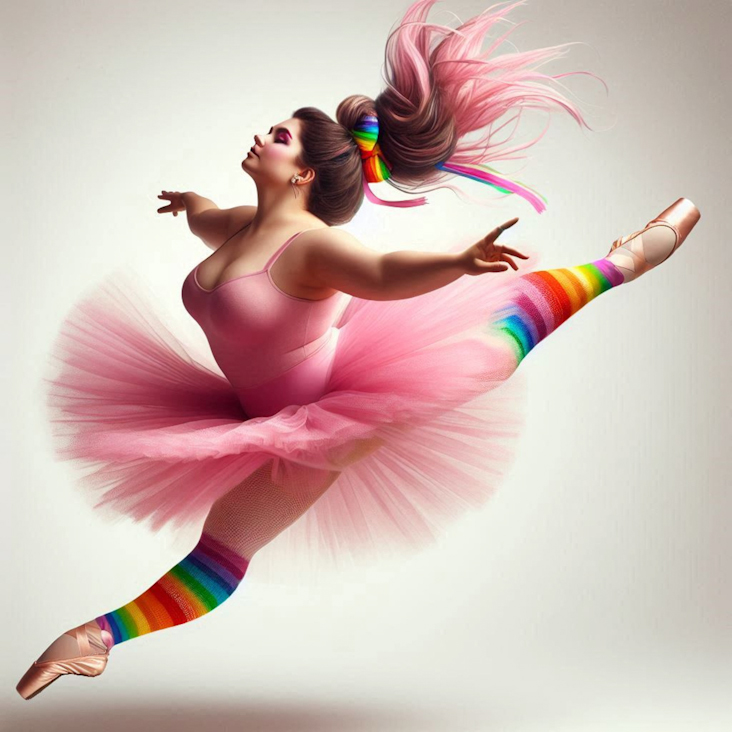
column 377, row 169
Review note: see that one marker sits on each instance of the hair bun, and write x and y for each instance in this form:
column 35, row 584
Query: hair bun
column 352, row 108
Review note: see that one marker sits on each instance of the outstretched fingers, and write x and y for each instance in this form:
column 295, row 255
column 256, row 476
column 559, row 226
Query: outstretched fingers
column 495, row 233
column 506, row 251
column 513, row 252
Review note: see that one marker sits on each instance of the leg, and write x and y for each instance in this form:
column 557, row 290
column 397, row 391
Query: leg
column 238, row 524
column 544, row 300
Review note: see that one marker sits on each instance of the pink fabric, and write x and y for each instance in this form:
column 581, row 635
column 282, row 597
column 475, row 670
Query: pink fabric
column 408, row 398
column 274, row 349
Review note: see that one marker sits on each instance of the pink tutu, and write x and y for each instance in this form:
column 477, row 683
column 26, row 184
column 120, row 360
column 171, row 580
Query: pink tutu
column 412, row 416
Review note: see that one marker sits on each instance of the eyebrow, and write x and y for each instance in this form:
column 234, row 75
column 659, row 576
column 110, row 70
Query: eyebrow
column 282, row 129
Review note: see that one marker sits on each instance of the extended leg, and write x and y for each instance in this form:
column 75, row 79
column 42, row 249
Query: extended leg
column 545, row 299
column 238, row 524
column 201, row 581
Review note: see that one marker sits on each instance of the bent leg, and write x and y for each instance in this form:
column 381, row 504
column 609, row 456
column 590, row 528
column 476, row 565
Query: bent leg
column 543, row 300
column 238, row 524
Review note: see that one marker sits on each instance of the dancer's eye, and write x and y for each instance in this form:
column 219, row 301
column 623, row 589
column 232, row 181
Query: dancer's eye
column 282, row 139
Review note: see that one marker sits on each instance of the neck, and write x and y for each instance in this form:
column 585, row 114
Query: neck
column 280, row 209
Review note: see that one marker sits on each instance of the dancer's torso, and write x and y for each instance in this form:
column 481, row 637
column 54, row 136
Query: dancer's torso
column 275, row 349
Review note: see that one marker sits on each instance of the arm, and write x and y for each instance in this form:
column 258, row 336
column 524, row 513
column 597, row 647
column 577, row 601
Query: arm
column 407, row 274
column 338, row 260
column 212, row 224
column 195, row 204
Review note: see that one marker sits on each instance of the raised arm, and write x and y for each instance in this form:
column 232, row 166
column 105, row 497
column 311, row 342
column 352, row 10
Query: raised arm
column 337, row 259
column 211, row 224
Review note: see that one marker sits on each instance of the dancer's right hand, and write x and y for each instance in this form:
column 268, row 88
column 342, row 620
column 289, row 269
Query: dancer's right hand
column 176, row 202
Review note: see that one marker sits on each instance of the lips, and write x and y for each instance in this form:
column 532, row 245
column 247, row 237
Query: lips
column 251, row 150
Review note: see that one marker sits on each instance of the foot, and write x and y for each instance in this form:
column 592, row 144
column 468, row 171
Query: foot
column 79, row 651
column 643, row 250
column 67, row 646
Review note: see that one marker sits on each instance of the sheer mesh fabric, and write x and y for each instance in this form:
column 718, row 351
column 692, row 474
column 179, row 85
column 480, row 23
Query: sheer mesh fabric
column 258, row 509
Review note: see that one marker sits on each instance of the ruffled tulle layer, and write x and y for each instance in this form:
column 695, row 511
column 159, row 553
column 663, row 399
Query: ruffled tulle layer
column 413, row 417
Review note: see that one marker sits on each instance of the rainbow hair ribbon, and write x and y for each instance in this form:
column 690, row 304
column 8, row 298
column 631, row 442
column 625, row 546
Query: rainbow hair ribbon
column 377, row 169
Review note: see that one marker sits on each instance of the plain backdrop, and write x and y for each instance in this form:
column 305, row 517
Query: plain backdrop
column 593, row 592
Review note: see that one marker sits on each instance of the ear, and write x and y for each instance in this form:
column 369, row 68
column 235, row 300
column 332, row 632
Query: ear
column 307, row 175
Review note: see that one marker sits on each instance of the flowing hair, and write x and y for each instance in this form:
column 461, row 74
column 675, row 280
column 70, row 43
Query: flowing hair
column 439, row 88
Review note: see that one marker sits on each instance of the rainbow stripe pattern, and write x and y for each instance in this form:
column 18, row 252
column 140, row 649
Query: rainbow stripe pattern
column 490, row 176
column 193, row 587
column 545, row 299
column 376, row 168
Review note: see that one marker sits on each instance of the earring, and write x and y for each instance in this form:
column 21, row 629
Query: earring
column 294, row 178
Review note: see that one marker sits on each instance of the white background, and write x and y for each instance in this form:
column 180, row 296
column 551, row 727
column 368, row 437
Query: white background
column 593, row 592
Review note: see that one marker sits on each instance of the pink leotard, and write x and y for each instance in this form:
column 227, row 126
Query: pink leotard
column 275, row 349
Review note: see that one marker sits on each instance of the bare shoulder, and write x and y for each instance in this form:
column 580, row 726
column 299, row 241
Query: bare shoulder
column 238, row 217
column 216, row 225
column 335, row 258
column 330, row 239
column 329, row 248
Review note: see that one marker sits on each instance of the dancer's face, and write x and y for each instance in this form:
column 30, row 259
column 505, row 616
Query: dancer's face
column 275, row 154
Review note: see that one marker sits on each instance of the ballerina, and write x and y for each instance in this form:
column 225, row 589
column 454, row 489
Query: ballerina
column 354, row 387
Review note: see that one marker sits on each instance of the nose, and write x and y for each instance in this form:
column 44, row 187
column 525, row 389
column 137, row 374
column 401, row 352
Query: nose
column 258, row 140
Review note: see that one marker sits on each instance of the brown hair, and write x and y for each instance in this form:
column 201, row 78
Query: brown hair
column 412, row 146
column 336, row 193
column 435, row 95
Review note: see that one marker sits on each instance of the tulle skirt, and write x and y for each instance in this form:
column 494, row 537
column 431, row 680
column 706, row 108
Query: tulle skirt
column 419, row 417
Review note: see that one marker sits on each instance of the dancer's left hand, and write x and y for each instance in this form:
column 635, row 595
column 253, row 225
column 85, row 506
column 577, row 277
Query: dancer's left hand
column 487, row 256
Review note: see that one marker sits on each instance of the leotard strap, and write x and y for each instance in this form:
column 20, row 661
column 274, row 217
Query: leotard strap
column 276, row 255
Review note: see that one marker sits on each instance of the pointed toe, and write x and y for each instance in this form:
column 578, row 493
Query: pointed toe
column 43, row 673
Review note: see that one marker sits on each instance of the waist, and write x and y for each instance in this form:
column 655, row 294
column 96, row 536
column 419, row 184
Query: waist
column 303, row 383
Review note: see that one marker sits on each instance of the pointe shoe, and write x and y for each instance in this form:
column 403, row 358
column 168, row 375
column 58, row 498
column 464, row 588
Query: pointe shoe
column 91, row 661
column 636, row 253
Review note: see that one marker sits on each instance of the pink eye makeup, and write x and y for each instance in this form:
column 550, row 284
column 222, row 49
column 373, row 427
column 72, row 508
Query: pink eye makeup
column 285, row 134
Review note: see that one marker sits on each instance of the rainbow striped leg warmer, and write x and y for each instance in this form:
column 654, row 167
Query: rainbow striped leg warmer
column 193, row 587
column 545, row 299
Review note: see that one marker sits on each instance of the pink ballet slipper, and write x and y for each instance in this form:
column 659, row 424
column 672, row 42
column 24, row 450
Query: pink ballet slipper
column 91, row 661
column 643, row 250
